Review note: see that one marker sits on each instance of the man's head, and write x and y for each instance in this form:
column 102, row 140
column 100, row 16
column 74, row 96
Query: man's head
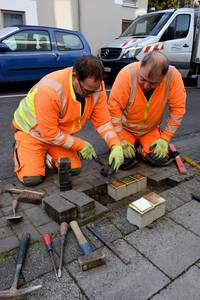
column 153, row 68
column 87, row 75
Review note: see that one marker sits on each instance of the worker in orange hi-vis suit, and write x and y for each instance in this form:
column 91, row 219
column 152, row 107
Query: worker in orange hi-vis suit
column 137, row 102
column 56, row 108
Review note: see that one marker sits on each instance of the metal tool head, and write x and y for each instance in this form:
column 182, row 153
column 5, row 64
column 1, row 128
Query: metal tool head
column 13, row 293
column 92, row 260
column 14, row 219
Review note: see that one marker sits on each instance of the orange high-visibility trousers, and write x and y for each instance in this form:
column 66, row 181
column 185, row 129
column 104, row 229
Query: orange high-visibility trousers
column 30, row 153
column 145, row 140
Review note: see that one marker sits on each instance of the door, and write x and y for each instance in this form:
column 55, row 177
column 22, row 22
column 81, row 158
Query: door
column 30, row 55
column 177, row 40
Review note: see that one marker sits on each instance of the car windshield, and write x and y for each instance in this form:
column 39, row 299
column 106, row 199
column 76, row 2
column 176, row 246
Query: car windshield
column 148, row 24
column 7, row 30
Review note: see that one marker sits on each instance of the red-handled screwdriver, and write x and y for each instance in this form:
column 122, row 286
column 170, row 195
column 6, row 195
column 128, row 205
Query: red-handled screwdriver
column 48, row 244
column 63, row 233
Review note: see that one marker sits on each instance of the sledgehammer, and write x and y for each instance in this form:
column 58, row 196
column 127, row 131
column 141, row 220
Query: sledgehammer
column 13, row 292
column 90, row 259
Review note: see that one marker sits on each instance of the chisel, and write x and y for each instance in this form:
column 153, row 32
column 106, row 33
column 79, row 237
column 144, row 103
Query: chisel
column 63, row 233
column 48, row 244
column 108, row 244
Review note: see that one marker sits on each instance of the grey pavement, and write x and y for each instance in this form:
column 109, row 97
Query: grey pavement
column 164, row 257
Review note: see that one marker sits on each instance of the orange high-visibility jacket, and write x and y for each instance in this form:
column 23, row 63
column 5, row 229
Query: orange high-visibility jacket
column 131, row 112
column 51, row 113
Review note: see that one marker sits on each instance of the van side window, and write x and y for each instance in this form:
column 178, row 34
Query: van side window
column 178, row 29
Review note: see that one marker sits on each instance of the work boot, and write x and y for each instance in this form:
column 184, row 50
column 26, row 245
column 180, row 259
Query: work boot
column 154, row 161
column 75, row 171
column 32, row 180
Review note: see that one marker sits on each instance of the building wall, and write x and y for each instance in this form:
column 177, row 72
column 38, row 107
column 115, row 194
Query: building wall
column 27, row 6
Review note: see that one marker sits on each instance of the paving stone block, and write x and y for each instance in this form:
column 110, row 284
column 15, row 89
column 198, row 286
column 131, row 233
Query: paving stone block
column 185, row 287
column 7, row 269
column 26, row 226
column 119, row 219
column 118, row 281
column 59, row 209
column 38, row 262
column 82, row 201
column 65, row 288
column 117, row 190
column 51, row 227
column 37, row 216
column 86, row 214
column 6, row 200
column 9, row 243
column 5, row 232
column 183, row 191
column 168, row 245
column 172, row 202
column 188, row 215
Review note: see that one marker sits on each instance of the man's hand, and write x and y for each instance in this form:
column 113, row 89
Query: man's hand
column 117, row 156
column 160, row 148
column 128, row 149
column 88, row 151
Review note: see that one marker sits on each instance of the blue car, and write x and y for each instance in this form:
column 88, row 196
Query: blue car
column 27, row 53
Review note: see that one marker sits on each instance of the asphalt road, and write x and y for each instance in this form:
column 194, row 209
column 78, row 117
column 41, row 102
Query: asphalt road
column 9, row 102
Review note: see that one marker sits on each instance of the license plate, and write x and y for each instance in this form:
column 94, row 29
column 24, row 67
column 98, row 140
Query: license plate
column 107, row 69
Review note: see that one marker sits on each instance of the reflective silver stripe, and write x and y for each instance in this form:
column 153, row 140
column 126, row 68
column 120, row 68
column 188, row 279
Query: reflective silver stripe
column 132, row 91
column 167, row 88
column 60, row 136
column 176, row 119
column 118, row 128
column 172, row 129
column 36, row 135
column 20, row 122
column 104, row 127
column 30, row 118
column 95, row 96
column 116, row 120
column 69, row 142
column 57, row 87
column 109, row 135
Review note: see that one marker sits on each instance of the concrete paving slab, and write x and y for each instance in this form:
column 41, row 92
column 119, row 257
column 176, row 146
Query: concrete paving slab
column 37, row 262
column 1, row 213
column 9, row 244
column 172, row 202
column 118, row 218
column 51, row 227
column 5, row 232
column 183, row 191
column 6, row 199
column 26, row 226
column 7, row 269
column 71, row 248
column 37, row 216
column 188, row 215
column 118, row 281
column 168, row 245
column 65, row 288
column 183, row 288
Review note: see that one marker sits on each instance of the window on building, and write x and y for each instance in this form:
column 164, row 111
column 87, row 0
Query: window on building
column 132, row 3
column 11, row 18
column 125, row 24
column 68, row 41
column 29, row 40
column 178, row 29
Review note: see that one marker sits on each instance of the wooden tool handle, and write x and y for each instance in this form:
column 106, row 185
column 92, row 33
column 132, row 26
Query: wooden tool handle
column 84, row 245
column 18, row 191
column 14, row 204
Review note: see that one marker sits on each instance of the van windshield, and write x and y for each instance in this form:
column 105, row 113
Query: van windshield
column 148, row 24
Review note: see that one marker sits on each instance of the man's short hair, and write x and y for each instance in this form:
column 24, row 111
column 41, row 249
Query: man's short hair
column 158, row 67
column 89, row 66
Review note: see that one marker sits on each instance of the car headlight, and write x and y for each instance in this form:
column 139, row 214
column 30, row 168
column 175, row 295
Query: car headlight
column 129, row 53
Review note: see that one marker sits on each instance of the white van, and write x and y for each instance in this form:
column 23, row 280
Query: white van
column 175, row 32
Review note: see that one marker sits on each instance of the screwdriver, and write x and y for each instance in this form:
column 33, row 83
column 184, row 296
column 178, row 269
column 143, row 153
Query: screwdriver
column 63, row 233
column 48, row 244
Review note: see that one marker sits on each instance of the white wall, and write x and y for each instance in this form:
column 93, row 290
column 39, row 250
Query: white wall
column 27, row 6
column 101, row 20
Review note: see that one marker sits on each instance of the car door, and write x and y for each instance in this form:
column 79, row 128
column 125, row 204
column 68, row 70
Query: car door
column 69, row 47
column 177, row 41
column 30, row 55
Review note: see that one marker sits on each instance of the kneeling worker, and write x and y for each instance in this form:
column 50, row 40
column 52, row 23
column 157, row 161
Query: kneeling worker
column 56, row 108
column 137, row 102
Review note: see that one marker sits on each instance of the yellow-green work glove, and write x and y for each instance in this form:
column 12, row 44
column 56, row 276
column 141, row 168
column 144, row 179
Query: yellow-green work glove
column 160, row 148
column 88, row 152
column 117, row 156
column 128, row 149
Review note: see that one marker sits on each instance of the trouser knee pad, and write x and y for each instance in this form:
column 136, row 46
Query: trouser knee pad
column 32, row 180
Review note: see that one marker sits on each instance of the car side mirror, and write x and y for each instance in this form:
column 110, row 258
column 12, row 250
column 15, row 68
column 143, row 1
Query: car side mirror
column 4, row 47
